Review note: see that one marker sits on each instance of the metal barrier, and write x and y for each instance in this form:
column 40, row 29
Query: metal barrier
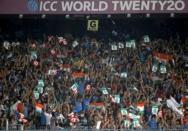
column 8, row 126
column 20, row 127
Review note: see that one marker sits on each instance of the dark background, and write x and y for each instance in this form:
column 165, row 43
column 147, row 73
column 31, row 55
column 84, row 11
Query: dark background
column 157, row 26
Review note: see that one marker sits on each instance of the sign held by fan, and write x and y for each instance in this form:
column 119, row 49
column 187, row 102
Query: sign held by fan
column 93, row 25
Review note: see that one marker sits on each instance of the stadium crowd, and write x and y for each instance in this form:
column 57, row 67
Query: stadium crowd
column 66, row 82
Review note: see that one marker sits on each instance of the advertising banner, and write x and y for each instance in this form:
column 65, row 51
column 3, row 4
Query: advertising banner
column 92, row 6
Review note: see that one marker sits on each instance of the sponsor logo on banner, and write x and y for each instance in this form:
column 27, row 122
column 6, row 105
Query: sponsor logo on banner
column 92, row 6
column 92, row 25
column 32, row 5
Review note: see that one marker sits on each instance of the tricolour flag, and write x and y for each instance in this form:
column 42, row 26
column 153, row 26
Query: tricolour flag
column 38, row 107
column 140, row 106
column 162, row 57
column 97, row 105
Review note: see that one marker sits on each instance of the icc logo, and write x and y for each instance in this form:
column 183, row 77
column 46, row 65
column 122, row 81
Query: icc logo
column 32, row 5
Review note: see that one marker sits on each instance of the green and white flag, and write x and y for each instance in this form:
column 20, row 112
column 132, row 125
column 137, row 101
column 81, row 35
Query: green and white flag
column 40, row 83
column 154, row 68
column 163, row 69
column 133, row 43
column 128, row 44
column 114, row 47
column 136, row 123
column 124, row 111
column 74, row 88
column 146, row 39
column 40, row 89
column 155, row 109
column 75, row 43
column 133, row 116
column 123, row 75
column 127, row 123
column 36, row 94
column 104, row 91
column 117, row 98
column 33, row 55
column 120, row 45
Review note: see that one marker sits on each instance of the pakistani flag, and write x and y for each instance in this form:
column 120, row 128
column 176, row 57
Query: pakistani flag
column 117, row 98
column 136, row 123
column 120, row 45
column 104, row 90
column 75, row 43
column 154, row 68
column 114, row 47
column 127, row 123
column 36, row 94
column 74, row 88
column 163, row 69
column 155, row 109
column 40, row 89
column 41, row 83
column 146, row 39
column 123, row 75
column 124, row 111
column 133, row 43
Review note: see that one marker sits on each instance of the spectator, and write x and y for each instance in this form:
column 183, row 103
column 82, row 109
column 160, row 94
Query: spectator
column 92, row 83
column 153, row 123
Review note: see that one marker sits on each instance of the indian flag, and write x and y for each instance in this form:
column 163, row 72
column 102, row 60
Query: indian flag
column 38, row 107
column 140, row 106
column 162, row 57
column 97, row 105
